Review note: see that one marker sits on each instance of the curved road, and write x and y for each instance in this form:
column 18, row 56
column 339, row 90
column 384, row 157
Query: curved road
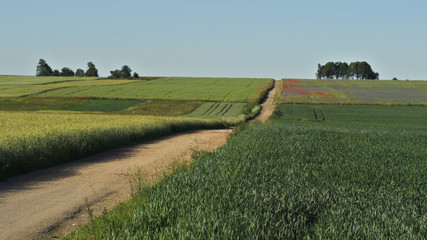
column 51, row 201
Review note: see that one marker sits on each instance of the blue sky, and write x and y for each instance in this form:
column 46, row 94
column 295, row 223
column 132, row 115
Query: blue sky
column 230, row 38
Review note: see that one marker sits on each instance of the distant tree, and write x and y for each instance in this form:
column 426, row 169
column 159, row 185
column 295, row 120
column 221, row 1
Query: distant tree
column 67, row 72
column 328, row 71
column 115, row 74
column 56, row 73
column 337, row 66
column 91, row 71
column 319, row 74
column 343, row 70
column 135, row 75
column 126, row 72
column 43, row 69
column 352, row 71
column 80, row 72
column 394, row 78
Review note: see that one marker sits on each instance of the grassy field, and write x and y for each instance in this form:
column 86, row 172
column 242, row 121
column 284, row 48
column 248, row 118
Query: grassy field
column 27, row 80
column 354, row 91
column 355, row 116
column 202, row 89
column 32, row 140
column 48, row 120
column 21, row 90
column 156, row 96
column 156, row 107
column 358, row 174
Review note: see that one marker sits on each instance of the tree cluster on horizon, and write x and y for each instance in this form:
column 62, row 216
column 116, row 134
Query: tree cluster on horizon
column 343, row 70
column 125, row 72
column 43, row 69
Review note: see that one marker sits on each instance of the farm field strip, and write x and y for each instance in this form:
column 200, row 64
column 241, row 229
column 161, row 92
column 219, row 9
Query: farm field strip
column 32, row 140
column 350, row 116
column 28, row 80
column 208, row 89
column 34, row 89
column 363, row 179
column 354, row 91
column 218, row 109
column 114, row 106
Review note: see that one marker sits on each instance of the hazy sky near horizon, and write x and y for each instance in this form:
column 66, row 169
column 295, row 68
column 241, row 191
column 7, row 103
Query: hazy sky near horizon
column 230, row 38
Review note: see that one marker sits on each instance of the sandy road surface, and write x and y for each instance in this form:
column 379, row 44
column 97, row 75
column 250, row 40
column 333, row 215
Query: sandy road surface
column 267, row 106
column 51, row 201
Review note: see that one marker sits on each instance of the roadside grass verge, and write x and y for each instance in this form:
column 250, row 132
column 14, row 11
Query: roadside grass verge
column 291, row 180
column 31, row 141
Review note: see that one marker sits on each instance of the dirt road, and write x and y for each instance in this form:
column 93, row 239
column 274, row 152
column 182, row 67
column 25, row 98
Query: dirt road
column 51, row 201
column 267, row 106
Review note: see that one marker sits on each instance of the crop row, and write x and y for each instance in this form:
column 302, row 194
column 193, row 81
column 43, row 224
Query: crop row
column 32, row 140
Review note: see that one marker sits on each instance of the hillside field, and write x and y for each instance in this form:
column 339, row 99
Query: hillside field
column 205, row 89
column 354, row 91
column 49, row 120
column 357, row 174
column 157, row 96
column 29, row 80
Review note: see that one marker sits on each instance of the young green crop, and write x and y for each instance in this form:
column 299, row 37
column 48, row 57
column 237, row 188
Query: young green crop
column 205, row 89
column 158, row 107
column 18, row 90
column 293, row 180
column 31, row 140
column 354, row 116
column 27, row 80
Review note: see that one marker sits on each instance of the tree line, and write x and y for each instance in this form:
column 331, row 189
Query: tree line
column 343, row 70
column 43, row 69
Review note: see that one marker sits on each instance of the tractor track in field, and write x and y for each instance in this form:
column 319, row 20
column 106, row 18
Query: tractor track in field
column 51, row 202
